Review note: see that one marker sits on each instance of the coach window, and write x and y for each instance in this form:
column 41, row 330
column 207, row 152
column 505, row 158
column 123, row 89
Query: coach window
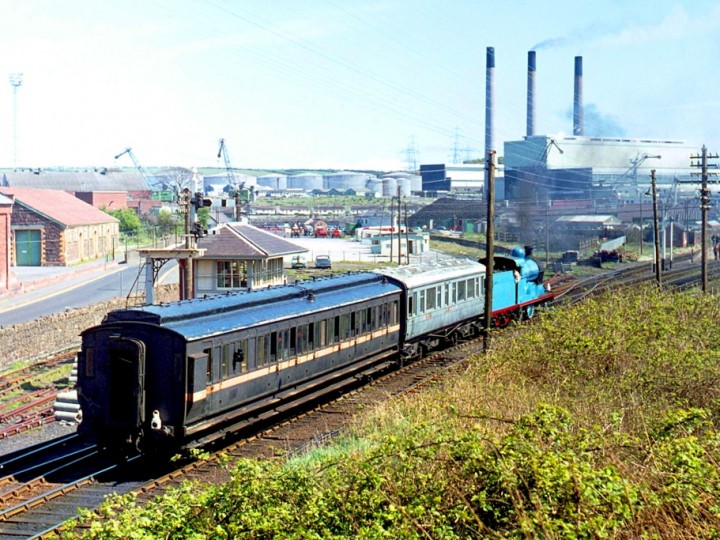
column 453, row 292
column 273, row 346
column 470, row 288
column 368, row 326
column 439, row 296
column 412, row 302
column 373, row 318
column 447, row 294
column 422, row 301
column 208, row 370
column 344, row 330
column 430, row 293
column 394, row 316
column 239, row 359
column 225, row 359
column 263, row 350
column 301, row 339
column 334, row 327
column 461, row 290
column 294, row 341
column 89, row 362
column 311, row 337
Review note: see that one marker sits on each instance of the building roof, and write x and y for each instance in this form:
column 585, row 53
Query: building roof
column 82, row 181
column 242, row 241
column 590, row 219
column 58, row 206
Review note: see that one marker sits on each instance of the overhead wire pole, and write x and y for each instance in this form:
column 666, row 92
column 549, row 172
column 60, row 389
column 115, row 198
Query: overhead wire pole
column 704, row 208
column 656, row 239
column 489, row 247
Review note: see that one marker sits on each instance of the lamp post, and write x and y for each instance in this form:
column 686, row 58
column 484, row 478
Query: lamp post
column 16, row 80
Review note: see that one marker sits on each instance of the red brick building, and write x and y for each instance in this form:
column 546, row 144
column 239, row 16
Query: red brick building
column 53, row 228
column 5, row 272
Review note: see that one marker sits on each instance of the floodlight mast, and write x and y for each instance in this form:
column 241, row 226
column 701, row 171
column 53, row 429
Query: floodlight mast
column 16, row 80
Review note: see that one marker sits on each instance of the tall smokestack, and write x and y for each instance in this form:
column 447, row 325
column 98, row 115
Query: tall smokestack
column 489, row 109
column 578, row 122
column 531, row 94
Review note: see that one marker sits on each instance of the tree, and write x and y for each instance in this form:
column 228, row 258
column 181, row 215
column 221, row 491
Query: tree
column 129, row 220
column 176, row 179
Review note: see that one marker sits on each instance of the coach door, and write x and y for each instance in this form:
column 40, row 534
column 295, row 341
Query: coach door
column 198, row 375
column 126, row 383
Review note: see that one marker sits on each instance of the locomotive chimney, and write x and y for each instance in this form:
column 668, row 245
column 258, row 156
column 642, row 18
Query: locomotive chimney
column 529, row 251
column 531, row 94
column 489, row 110
column 578, row 121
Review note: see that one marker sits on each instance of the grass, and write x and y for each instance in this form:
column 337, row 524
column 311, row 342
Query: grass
column 596, row 421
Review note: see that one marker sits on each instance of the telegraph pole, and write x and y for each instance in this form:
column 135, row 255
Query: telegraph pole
column 656, row 239
column 489, row 246
column 704, row 207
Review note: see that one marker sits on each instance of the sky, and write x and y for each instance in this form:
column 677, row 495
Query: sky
column 342, row 84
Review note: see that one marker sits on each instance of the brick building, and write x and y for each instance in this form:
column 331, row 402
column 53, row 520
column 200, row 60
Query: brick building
column 5, row 273
column 54, row 228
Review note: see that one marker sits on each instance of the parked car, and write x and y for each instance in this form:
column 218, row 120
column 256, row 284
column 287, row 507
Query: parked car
column 323, row 261
column 298, row 261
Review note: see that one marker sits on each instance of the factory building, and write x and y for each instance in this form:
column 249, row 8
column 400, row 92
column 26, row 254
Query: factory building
column 592, row 168
column 459, row 178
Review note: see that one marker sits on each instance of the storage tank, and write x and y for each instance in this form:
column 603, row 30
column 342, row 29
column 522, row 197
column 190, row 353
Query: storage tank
column 273, row 181
column 403, row 184
column 306, row 181
column 374, row 185
column 345, row 180
column 389, row 186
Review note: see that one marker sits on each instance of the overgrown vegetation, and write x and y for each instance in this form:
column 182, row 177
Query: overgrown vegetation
column 597, row 421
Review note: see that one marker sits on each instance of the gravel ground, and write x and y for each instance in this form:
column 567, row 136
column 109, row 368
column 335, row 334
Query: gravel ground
column 35, row 436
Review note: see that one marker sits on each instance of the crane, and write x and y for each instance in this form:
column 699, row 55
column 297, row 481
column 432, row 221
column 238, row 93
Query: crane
column 222, row 151
column 632, row 172
column 139, row 167
column 242, row 196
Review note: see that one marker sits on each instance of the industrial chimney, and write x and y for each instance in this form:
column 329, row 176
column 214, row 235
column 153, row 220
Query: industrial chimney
column 578, row 122
column 531, row 94
column 489, row 109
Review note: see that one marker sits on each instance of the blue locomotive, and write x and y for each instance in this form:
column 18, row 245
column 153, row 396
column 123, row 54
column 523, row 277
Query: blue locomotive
column 159, row 376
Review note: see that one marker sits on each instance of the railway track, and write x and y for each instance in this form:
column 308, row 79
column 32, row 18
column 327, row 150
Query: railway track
column 40, row 510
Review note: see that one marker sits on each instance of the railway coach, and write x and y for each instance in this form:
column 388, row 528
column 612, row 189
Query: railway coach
column 156, row 376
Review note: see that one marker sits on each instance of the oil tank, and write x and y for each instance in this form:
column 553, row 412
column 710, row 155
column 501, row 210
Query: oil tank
column 389, row 186
column 403, row 185
column 345, row 180
column 273, row 181
column 374, row 185
column 306, row 181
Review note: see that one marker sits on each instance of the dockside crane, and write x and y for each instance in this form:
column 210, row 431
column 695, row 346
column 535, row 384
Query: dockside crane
column 135, row 161
column 242, row 195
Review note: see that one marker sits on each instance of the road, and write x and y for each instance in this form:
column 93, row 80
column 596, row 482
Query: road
column 81, row 292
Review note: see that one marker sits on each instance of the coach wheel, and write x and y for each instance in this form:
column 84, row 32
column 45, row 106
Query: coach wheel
column 529, row 312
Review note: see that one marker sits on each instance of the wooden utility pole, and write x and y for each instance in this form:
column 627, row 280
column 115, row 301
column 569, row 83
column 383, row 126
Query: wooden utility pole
column 392, row 225
column 704, row 207
column 407, row 238
column 656, row 239
column 489, row 246
column 399, row 229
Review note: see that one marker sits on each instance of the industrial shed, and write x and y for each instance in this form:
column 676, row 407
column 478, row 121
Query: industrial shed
column 240, row 256
column 54, row 228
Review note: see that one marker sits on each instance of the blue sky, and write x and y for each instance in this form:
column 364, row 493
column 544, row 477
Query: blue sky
column 342, row 83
